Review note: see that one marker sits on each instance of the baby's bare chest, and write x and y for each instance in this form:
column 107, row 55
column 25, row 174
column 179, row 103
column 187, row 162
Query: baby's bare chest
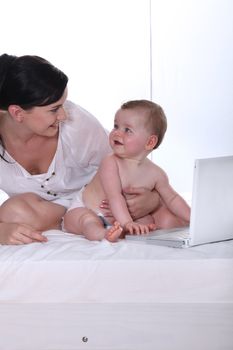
column 142, row 177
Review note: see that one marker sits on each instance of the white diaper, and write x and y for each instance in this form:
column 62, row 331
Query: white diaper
column 104, row 220
column 77, row 201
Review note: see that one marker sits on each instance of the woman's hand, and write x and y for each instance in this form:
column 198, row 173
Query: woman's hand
column 16, row 234
column 141, row 201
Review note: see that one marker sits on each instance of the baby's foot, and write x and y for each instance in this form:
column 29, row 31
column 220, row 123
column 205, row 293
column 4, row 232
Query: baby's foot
column 152, row 227
column 114, row 232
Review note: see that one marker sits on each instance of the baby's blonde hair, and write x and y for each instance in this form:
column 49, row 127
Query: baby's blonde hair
column 156, row 122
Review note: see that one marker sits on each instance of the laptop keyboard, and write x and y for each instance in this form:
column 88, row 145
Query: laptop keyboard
column 178, row 232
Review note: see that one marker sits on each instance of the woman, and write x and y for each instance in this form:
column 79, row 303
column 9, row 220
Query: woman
column 49, row 149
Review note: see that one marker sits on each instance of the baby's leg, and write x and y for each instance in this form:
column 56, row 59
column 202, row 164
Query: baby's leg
column 86, row 222
column 165, row 219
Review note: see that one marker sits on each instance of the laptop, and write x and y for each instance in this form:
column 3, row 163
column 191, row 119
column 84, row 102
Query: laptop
column 211, row 209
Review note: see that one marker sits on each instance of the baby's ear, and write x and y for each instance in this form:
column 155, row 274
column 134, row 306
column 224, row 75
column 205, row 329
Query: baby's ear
column 151, row 143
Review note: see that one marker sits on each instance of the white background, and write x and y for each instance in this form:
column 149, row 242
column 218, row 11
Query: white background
column 112, row 53
column 193, row 80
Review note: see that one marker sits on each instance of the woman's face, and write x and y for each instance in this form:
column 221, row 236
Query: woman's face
column 45, row 120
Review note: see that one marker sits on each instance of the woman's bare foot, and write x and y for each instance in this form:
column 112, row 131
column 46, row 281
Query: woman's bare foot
column 114, row 232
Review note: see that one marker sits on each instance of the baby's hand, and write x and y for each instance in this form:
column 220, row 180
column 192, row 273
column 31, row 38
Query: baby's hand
column 136, row 228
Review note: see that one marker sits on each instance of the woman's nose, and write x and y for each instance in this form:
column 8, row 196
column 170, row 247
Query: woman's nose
column 62, row 114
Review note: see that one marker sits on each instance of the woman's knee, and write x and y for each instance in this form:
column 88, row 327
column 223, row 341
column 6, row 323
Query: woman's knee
column 31, row 209
column 15, row 208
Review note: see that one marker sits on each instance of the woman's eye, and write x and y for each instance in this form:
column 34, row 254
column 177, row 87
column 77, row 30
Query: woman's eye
column 54, row 110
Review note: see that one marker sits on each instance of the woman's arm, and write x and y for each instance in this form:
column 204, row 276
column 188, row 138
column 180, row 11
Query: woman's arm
column 141, row 201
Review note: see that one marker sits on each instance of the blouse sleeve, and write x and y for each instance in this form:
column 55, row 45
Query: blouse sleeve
column 85, row 139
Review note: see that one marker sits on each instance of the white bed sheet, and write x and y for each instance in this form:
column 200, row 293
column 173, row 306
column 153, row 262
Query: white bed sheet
column 71, row 269
column 70, row 294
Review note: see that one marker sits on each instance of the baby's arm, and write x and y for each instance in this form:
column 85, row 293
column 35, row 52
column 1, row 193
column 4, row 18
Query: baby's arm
column 173, row 201
column 111, row 182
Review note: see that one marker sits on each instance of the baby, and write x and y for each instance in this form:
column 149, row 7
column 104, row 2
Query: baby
column 139, row 128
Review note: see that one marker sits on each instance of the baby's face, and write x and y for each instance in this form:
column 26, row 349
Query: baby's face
column 129, row 135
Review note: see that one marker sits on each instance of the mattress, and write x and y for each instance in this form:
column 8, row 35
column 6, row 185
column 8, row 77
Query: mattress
column 71, row 293
column 69, row 268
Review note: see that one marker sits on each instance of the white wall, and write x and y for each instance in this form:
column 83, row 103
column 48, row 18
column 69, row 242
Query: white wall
column 193, row 80
column 104, row 47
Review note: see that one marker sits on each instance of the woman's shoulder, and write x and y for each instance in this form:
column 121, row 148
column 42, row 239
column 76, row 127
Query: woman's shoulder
column 82, row 131
column 76, row 113
column 81, row 121
column 72, row 109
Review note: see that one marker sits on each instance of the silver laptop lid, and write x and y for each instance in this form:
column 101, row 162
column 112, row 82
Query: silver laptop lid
column 212, row 200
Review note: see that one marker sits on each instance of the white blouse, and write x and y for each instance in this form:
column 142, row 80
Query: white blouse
column 82, row 144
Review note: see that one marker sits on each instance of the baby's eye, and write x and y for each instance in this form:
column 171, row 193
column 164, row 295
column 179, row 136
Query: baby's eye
column 115, row 126
column 128, row 130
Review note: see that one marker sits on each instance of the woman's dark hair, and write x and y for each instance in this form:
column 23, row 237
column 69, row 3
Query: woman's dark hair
column 29, row 81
